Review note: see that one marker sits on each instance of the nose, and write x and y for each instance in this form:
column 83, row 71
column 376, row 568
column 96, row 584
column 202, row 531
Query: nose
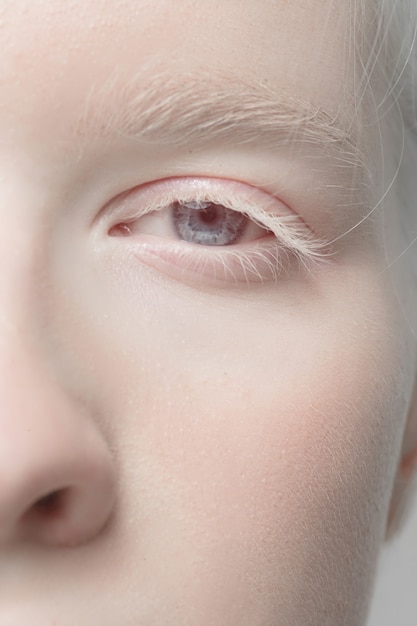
column 57, row 477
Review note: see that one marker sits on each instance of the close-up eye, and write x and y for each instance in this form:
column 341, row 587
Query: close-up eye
column 217, row 229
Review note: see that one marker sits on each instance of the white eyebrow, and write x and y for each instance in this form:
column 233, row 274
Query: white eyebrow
column 194, row 110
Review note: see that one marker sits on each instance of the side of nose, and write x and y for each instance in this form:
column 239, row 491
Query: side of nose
column 57, row 475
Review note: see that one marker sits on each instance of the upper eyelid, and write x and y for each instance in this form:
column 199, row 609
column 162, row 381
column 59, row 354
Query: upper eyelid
column 290, row 230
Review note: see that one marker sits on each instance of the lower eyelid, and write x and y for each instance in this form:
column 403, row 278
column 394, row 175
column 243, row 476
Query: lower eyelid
column 264, row 262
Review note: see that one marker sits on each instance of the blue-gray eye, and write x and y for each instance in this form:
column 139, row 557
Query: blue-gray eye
column 207, row 223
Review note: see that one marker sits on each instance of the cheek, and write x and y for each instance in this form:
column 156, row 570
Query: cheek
column 282, row 473
column 256, row 442
column 270, row 486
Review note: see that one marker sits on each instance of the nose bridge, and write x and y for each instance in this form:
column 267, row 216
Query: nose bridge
column 26, row 265
column 21, row 296
column 22, row 290
column 22, row 246
column 29, row 389
column 29, row 395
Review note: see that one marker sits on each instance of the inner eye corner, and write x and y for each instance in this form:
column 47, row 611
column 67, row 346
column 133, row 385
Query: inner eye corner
column 121, row 229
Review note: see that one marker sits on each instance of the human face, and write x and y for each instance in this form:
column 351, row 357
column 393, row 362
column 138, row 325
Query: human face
column 196, row 432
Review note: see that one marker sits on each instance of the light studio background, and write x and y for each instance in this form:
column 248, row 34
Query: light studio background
column 395, row 601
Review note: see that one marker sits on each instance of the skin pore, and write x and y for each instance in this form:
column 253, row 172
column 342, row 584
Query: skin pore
column 194, row 435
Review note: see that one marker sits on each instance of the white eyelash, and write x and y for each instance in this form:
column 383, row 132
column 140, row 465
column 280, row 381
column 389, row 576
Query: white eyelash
column 268, row 262
column 251, row 269
column 292, row 235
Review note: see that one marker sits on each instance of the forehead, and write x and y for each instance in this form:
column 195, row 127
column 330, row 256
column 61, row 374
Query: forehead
column 57, row 56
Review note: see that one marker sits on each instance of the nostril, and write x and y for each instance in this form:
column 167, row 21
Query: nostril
column 47, row 514
column 48, row 509
column 51, row 504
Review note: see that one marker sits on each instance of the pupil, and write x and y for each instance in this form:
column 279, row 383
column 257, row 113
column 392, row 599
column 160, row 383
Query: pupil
column 208, row 215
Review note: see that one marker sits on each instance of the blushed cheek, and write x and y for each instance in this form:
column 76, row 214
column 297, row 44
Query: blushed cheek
column 274, row 491
column 284, row 483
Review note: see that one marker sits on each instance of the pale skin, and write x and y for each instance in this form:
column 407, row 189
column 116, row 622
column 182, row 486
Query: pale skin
column 183, row 441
